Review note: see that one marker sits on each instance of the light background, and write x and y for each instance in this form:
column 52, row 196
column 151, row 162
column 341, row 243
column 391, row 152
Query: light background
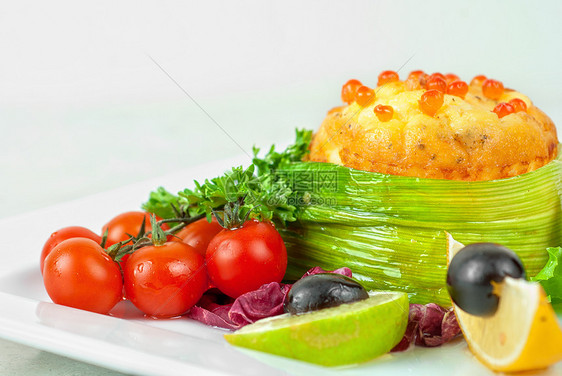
column 84, row 106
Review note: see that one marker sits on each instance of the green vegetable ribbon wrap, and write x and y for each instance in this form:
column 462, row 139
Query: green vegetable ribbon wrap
column 390, row 230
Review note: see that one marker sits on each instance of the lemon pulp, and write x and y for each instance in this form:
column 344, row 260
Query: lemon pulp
column 523, row 334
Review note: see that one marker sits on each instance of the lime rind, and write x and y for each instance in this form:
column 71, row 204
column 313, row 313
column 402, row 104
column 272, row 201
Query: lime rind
column 342, row 335
column 375, row 298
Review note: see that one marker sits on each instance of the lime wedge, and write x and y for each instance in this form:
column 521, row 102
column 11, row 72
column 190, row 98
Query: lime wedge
column 346, row 334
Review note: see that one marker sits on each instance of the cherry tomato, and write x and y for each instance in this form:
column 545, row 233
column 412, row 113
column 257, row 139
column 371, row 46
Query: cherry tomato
column 199, row 234
column 165, row 280
column 63, row 234
column 78, row 273
column 243, row 259
column 127, row 223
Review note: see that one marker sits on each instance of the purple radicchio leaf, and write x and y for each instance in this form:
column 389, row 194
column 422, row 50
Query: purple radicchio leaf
column 267, row 301
column 317, row 270
column 429, row 325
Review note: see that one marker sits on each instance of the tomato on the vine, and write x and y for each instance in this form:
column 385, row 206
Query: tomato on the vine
column 165, row 280
column 79, row 273
column 243, row 259
column 200, row 233
column 63, row 234
column 129, row 223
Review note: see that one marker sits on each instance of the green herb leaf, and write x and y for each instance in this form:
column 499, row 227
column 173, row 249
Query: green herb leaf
column 162, row 203
column 234, row 185
column 294, row 153
column 550, row 277
column 240, row 193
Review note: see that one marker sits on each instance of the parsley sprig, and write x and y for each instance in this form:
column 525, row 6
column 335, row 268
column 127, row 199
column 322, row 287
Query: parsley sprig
column 254, row 192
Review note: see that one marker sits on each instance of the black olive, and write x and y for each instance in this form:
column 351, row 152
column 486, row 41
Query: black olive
column 471, row 272
column 322, row 290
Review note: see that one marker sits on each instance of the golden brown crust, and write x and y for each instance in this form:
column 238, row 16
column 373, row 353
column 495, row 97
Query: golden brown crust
column 465, row 140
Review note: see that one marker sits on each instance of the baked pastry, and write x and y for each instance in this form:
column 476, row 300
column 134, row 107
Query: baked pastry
column 438, row 127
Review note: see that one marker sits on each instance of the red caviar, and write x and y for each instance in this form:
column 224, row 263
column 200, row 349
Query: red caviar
column 416, row 80
column 437, row 74
column 457, row 88
column 492, row 89
column 349, row 89
column 478, row 80
column 436, row 83
column 364, row 96
column 503, row 109
column 431, row 101
column 518, row 105
column 450, row 77
column 386, row 77
column 417, row 74
column 384, row 113
column 412, row 83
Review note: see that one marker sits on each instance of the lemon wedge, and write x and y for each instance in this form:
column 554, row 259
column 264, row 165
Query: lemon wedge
column 522, row 335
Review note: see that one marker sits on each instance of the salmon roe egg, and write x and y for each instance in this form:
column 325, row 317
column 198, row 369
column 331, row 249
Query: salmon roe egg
column 492, row 89
column 436, row 83
column 416, row 74
column 457, row 88
column 478, row 80
column 348, row 90
column 450, row 77
column 386, row 77
column 503, row 109
column 364, row 95
column 437, row 74
column 518, row 105
column 431, row 101
column 412, row 83
column 416, row 80
column 384, row 113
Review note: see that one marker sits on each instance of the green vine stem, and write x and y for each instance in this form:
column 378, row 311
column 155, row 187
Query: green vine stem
column 118, row 250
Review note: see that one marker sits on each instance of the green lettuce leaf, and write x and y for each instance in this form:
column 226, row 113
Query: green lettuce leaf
column 550, row 277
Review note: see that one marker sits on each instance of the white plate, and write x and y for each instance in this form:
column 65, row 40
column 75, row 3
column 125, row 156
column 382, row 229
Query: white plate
column 130, row 343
